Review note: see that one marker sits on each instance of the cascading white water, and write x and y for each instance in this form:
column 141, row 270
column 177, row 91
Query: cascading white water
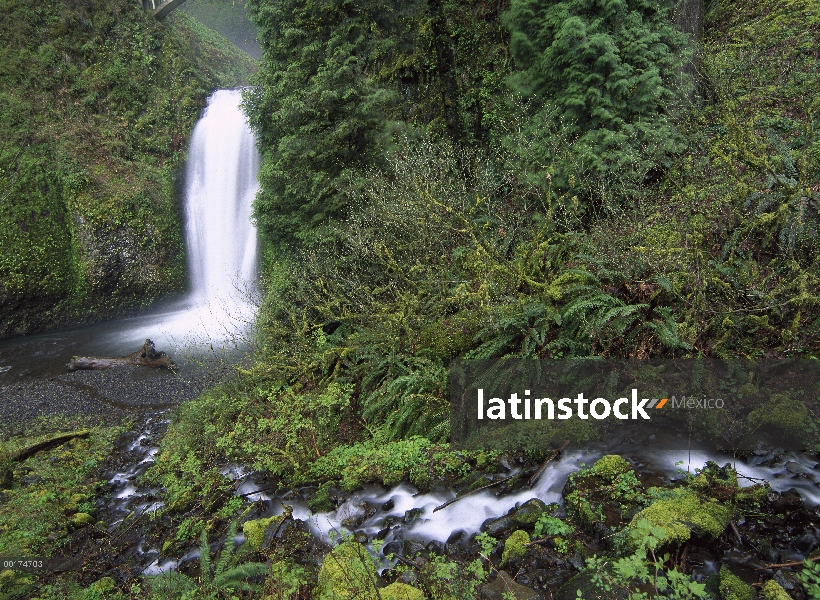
column 221, row 241
column 220, row 184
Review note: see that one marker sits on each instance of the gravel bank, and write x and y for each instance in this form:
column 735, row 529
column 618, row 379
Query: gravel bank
column 104, row 397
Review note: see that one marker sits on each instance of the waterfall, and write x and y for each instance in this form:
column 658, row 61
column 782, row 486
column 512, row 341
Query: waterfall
column 220, row 185
column 220, row 239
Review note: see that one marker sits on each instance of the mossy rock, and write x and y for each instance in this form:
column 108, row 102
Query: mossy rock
column 514, row 547
column 789, row 415
column 106, row 584
column 610, row 466
column 321, row 500
column 347, row 573
column 682, row 512
column 524, row 516
column 774, row 591
column 734, row 588
column 81, row 520
column 401, row 591
column 254, row 531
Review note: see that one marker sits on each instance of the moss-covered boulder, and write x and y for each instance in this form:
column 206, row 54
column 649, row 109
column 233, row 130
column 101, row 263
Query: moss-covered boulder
column 81, row 520
column 774, row 591
column 681, row 512
column 401, row 591
column 525, row 515
column 514, row 547
column 611, row 466
column 347, row 573
column 254, row 531
column 606, row 494
column 734, row 588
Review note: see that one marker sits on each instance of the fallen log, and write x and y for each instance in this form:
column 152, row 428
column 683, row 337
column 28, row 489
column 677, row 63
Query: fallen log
column 147, row 356
column 6, row 473
column 53, row 442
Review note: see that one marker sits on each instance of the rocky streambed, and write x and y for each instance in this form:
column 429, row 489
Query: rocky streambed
column 534, row 527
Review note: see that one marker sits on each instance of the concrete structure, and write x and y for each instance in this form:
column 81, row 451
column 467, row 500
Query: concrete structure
column 160, row 8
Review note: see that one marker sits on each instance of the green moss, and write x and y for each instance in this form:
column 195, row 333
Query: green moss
column 255, row 530
column 734, row 588
column 681, row 512
column 514, row 547
column 347, row 573
column 321, row 501
column 106, row 584
column 611, row 466
column 81, row 520
column 789, row 415
column 774, row 591
column 402, row 591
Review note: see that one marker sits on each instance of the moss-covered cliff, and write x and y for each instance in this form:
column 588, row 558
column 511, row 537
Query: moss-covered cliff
column 96, row 102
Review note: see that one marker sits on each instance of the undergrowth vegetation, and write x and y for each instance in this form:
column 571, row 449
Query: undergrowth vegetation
column 404, row 239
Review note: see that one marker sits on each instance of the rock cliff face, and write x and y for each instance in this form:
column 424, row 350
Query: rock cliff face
column 95, row 111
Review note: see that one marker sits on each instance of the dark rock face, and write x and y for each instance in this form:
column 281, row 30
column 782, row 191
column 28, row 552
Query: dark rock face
column 504, row 585
column 526, row 514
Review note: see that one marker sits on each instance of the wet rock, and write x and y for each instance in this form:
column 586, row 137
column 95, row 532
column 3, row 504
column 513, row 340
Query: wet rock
column 503, row 586
column 589, row 591
column 494, row 527
column 529, row 512
column 411, row 548
column 360, row 537
column 409, row 577
column 525, row 515
column 806, row 543
column 412, row 514
column 388, row 506
column 786, row 580
column 456, row 537
column 395, row 548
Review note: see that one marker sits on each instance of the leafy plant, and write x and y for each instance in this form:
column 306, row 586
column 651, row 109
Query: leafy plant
column 809, row 575
column 214, row 579
column 643, row 575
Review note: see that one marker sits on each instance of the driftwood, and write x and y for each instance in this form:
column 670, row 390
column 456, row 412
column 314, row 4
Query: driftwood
column 147, row 356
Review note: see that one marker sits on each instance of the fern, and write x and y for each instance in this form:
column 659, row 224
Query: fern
column 173, row 585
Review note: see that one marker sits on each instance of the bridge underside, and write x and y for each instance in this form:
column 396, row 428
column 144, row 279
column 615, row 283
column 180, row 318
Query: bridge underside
column 161, row 8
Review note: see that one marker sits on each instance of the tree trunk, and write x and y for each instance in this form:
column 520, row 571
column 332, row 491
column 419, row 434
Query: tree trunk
column 147, row 356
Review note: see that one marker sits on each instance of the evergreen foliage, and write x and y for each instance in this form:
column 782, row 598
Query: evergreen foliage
column 317, row 111
column 611, row 72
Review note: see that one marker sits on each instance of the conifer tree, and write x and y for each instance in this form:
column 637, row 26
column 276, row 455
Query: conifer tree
column 609, row 71
column 316, row 109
